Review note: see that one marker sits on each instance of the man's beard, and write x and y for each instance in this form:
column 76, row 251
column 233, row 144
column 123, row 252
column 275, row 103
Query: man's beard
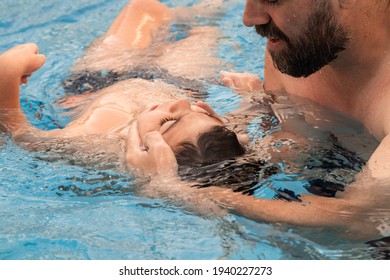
column 319, row 44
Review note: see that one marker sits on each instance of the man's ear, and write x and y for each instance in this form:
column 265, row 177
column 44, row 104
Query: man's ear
column 243, row 138
column 345, row 4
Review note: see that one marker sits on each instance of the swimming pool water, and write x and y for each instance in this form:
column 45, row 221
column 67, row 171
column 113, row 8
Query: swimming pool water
column 55, row 210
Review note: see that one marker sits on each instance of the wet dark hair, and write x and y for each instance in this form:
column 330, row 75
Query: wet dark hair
column 213, row 162
column 217, row 144
column 240, row 175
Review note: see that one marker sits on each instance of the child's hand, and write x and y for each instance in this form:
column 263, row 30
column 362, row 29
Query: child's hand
column 16, row 66
column 21, row 61
column 241, row 81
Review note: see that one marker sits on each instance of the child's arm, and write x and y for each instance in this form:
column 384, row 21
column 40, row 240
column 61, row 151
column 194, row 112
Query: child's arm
column 241, row 81
column 16, row 65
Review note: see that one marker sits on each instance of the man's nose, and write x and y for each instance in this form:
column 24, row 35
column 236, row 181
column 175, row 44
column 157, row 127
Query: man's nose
column 255, row 13
column 180, row 105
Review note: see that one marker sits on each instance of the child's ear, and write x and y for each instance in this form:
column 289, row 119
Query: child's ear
column 243, row 138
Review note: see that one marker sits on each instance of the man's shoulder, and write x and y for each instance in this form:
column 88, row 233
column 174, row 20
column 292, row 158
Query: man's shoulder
column 376, row 111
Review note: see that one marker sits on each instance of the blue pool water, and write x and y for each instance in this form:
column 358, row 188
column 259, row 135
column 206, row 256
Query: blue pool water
column 54, row 210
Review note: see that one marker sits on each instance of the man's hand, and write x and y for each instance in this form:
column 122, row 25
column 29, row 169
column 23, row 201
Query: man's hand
column 151, row 156
column 241, row 81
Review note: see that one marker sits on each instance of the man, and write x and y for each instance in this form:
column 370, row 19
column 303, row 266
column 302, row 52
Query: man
column 336, row 53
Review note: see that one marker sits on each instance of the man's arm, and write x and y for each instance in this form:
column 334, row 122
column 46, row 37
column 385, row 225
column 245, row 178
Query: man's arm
column 147, row 155
column 358, row 213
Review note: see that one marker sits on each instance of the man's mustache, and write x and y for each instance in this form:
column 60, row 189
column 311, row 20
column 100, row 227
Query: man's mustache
column 270, row 30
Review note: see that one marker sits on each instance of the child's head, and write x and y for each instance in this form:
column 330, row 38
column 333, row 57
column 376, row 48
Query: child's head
column 194, row 132
column 214, row 145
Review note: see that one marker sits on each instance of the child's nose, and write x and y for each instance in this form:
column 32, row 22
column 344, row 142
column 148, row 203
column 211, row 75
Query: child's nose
column 180, row 105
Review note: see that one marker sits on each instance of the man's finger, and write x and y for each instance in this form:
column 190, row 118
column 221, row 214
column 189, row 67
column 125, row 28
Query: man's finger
column 134, row 144
column 137, row 158
column 161, row 153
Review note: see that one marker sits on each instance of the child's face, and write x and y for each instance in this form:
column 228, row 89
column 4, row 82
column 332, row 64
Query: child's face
column 178, row 121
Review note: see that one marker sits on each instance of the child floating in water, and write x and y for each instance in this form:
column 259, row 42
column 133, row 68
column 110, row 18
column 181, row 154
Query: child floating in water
column 148, row 116
column 136, row 120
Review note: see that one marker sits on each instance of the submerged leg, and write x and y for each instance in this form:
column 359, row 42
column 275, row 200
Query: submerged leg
column 134, row 25
column 136, row 39
column 132, row 30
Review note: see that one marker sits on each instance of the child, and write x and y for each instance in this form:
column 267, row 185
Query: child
column 136, row 111
column 147, row 117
